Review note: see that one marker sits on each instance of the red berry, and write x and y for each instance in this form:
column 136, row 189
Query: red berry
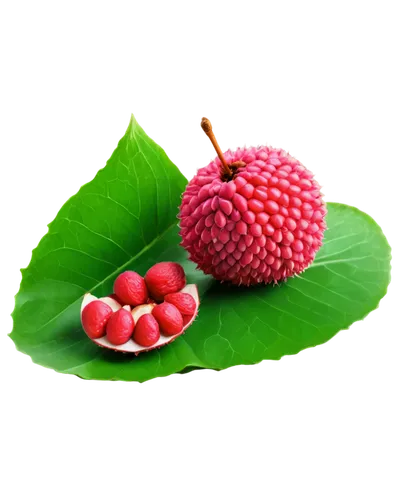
column 120, row 327
column 95, row 317
column 169, row 318
column 164, row 278
column 184, row 302
column 130, row 288
column 147, row 331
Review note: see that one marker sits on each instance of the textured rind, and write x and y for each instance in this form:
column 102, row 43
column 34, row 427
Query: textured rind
column 264, row 225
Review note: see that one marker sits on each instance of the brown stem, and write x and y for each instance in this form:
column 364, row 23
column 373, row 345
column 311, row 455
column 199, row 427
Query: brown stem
column 207, row 127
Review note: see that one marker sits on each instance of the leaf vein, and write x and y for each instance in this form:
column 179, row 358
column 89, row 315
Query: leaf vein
column 114, row 273
column 96, row 233
column 312, row 298
column 343, row 250
column 327, row 289
column 344, row 261
column 287, row 313
column 351, row 281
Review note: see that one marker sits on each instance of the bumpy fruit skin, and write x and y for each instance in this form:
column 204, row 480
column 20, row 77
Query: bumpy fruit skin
column 120, row 326
column 130, row 288
column 164, row 278
column 147, row 331
column 169, row 318
column 95, row 317
column 264, row 225
column 184, row 302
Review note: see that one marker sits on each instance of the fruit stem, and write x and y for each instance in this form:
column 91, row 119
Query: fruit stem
column 207, row 127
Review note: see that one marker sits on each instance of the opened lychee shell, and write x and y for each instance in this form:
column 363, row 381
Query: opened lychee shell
column 263, row 224
column 131, row 346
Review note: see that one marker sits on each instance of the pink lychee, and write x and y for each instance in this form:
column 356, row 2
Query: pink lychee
column 253, row 215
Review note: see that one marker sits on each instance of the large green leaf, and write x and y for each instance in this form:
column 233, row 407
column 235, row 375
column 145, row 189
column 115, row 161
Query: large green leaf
column 126, row 219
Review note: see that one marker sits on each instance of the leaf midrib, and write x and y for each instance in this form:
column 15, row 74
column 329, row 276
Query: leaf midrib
column 144, row 249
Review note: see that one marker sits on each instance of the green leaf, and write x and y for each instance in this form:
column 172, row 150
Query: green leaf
column 126, row 219
column 348, row 278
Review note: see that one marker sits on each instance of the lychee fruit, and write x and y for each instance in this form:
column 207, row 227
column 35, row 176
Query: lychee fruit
column 254, row 215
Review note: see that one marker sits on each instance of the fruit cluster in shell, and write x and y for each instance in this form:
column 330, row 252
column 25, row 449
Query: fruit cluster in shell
column 263, row 225
column 143, row 313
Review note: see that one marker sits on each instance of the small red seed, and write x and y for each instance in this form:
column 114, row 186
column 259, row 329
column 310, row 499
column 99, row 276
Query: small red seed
column 120, row 327
column 130, row 288
column 184, row 302
column 165, row 277
column 147, row 331
column 94, row 318
column 169, row 318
